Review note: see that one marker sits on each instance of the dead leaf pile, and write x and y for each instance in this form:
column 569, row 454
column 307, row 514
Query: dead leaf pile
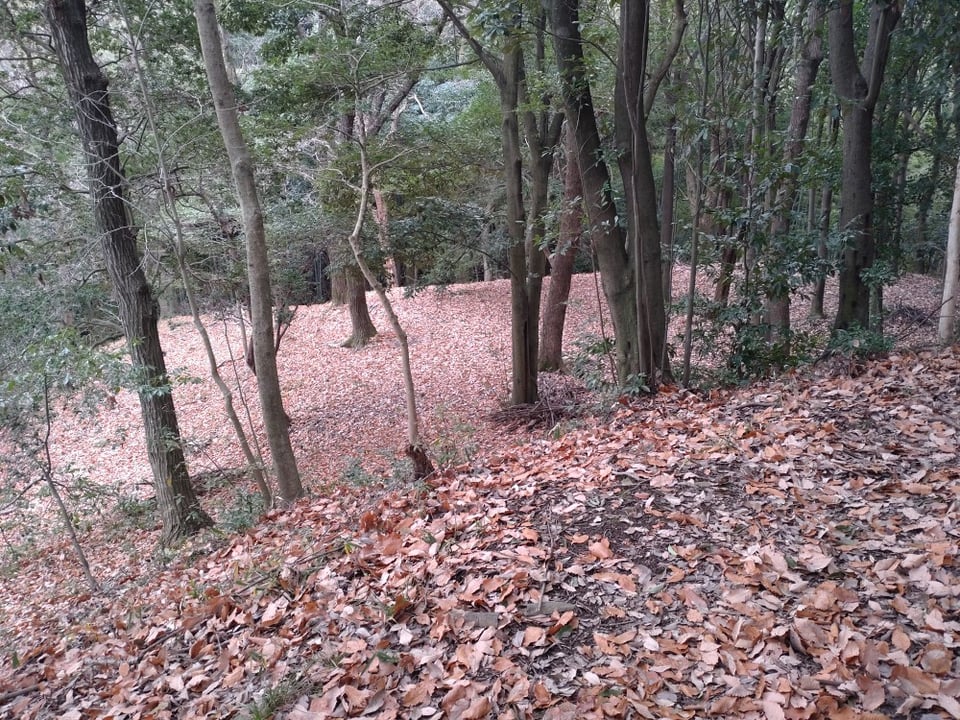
column 785, row 551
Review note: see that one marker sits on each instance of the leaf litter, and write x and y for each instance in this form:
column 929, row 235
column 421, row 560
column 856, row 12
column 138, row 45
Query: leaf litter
column 787, row 550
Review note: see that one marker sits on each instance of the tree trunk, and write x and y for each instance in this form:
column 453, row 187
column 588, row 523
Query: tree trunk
column 508, row 74
column 523, row 327
column 667, row 201
column 826, row 213
column 382, row 216
column 422, row 467
column 561, row 265
column 87, row 88
column 636, row 169
column 275, row 419
column 778, row 281
column 951, row 277
column 607, row 238
column 541, row 131
column 362, row 328
column 169, row 194
column 858, row 86
column 339, row 291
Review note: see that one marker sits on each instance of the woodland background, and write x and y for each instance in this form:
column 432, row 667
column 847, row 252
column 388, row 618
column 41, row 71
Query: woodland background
column 392, row 241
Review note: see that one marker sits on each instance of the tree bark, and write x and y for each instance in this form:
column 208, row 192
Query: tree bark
column 541, row 131
column 857, row 86
column 422, row 467
column 87, row 88
column 561, row 265
column 636, row 170
column 523, row 327
column 169, row 195
column 778, row 281
column 615, row 263
column 667, row 203
column 951, row 277
column 362, row 327
column 275, row 419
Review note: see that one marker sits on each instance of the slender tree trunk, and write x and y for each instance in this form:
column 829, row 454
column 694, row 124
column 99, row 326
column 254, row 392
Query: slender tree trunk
column 47, row 473
column 168, row 193
column 826, row 213
column 667, row 203
column 541, row 132
column 525, row 280
column 523, row 327
column 561, row 265
column 616, row 269
column 778, row 296
column 349, row 287
column 951, row 276
column 87, row 88
column 422, row 467
column 275, row 419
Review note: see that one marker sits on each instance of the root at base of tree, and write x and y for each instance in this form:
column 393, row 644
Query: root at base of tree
column 422, row 467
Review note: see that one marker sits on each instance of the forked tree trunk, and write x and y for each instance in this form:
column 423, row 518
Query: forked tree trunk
column 422, row 467
column 616, row 270
column 541, row 132
column 87, row 88
column 561, row 267
column 636, row 169
column 857, row 85
column 275, row 419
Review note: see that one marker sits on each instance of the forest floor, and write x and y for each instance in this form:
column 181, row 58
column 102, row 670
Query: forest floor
column 782, row 550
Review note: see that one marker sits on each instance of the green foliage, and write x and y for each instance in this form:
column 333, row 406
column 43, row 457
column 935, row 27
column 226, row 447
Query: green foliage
column 591, row 363
column 446, row 239
column 137, row 512
column 276, row 698
column 753, row 355
column 860, row 343
column 244, row 512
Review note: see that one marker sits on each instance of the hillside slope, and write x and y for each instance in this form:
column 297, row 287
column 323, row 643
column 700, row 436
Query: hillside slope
column 787, row 550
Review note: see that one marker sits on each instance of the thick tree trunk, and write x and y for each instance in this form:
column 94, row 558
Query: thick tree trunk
column 856, row 218
column 87, row 88
column 561, row 264
column 339, row 292
column 858, row 87
column 616, row 269
column 636, row 169
column 275, row 419
column 362, row 328
column 947, row 330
